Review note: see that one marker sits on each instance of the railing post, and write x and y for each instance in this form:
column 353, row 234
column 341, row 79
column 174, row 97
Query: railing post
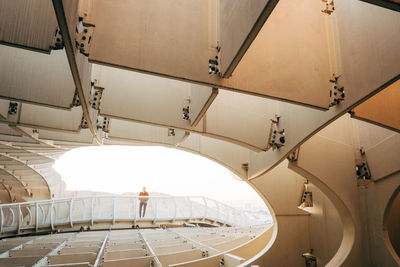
column 51, row 215
column 37, row 216
column 19, row 218
column 42, row 210
column 30, row 214
column 155, row 209
column 217, row 216
column 2, row 220
column 134, row 211
column 191, row 209
column 13, row 216
column 92, row 211
column 70, row 212
column 205, row 208
column 227, row 214
column 173, row 219
column 113, row 218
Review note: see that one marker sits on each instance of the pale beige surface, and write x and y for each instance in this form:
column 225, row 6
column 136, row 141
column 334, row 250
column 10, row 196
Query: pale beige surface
column 359, row 41
column 378, row 141
column 290, row 229
column 246, row 250
column 236, row 19
column 146, row 98
column 19, row 261
column 124, row 254
column 323, row 159
column 36, row 77
column 73, row 258
column 93, row 249
column 237, row 116
column 131, row 131
column 292, row 182
column 382, row 108
column 322, row 169
column 61, row 119
column 139, row 262
column 151, row 42
column 28, row 252
column 249, row 249
column 285, row 60
column 325, row 224
column 169, row 249
column 26, row 23
column 228, row 245
column 83, row 136
column 333, row 173
column 183, row 256
column 159, row 36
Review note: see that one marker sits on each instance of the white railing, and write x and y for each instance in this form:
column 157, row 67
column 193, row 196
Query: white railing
column 49, row 214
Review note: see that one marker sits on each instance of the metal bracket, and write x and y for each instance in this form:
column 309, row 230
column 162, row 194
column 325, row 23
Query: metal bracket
column 276, row 120
column 12, row 108
column 185, row 113
column 95, row 96
column 329, row 7
column 103, row 123
column 336, row 92
column 57, row 42
column 306, row 198
column 276, row 137
column 310, row 258
column 362, row 169
column 84, row 37
column 204, row 253
column 294, row 155
column 171, row 132
column 213, row 64
column 84, row 123
column 76, row 102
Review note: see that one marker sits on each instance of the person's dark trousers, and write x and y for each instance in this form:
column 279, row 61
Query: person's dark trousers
column 142, row 206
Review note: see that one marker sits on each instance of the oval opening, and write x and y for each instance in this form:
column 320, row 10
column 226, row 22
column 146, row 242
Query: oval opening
column 125, row 170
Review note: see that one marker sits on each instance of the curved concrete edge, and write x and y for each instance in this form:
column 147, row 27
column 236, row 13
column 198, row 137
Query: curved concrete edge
column 280, row 189
column 349, row 233
column 247, row 250
column 389, row 245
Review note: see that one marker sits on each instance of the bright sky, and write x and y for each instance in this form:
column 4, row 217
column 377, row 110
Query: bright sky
column 121, row 169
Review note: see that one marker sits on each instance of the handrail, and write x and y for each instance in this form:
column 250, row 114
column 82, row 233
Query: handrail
column 85, row 211
column 101, row 251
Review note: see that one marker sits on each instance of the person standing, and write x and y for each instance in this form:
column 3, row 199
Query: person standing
column 143, row 198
